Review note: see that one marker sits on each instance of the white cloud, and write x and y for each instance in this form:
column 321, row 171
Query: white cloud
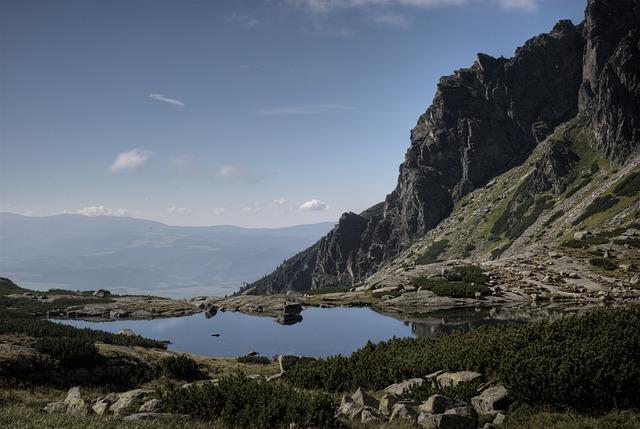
column 102, row 211
column 280, row 201
column 304, row 109
column 29, row 213
column 130, row 160
column 392, row 20
column 180, row 211
column 254, row 207
column 165, row 99
column 326, row 6
column 217, row 211
column 181, row 162
column 314, row 205
column 243, row 21
column 237, row 173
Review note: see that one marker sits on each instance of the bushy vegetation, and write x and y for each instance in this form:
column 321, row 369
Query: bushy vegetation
column 13, row 323
column 434, row 251
column 598, row 205
column 70, row 352
column 631, row 242
column 239, row 402
column 629, row 186
column 473, row 280
column 254, row 360
column 587, row 362
column 180, row 367
column 606, row 264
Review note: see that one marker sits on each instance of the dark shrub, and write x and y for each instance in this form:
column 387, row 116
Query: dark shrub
column 443, row 287
column 598, row 205
column 180, row 367
column 255, row 360
column 603, row 263
column 239, row 402
column 432, row 254
column 629, row 186
column 71, row 352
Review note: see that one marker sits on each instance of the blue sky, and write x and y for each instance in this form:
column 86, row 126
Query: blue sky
column 254, row 113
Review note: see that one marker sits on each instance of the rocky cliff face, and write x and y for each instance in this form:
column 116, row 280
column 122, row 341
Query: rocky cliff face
column 485, row 120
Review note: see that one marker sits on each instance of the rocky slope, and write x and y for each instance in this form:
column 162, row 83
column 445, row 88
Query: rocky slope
column 484, row 121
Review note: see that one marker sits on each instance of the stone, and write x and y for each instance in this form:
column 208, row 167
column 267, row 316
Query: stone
column 73, row 394
column 451, row 275
column 101, row 407
column 403, row 412
column 142, row 314
column 78, row 407
column 128, row 401
column 499, row 419
column 56, row 407
column 491, row 400
column 400, row 389
column 436, row 404
column 101, row 293
column 151, row 406
column 349, row 409
column 445, row 421
column 370, row 415
column 362, row 398
column 126, row 331
column 463, row 410
column 582, row 235
column 387, row 401
column 452, row 379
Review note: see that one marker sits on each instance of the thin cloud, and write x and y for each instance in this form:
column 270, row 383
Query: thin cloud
column 254, row 207
column 243, row 21
column 323, row 7
column 101, row 211
column 130, row 160
column 280, row 201
column 392, row 20
column 181, row 162
column 165, row 99
column 303, row 109
column 235, row 172
column 217, row 211
column 179, row 211
column 314, row 205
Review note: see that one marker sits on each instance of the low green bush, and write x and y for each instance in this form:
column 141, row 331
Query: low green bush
column 629, row 186
column 239, row 402
column 254, row 360
column 432, row 254
column 587, row 242
column 70, row 352
column 180, row 367
column 631, row 242
column 606, row 264
column 598, row 205
column 587, row 362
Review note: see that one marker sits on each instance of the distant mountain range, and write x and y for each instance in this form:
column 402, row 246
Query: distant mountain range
column 142, row 256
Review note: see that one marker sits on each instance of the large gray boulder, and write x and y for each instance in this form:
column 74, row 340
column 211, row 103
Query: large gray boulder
column 151, row 406
column 403, row 387
column 403, row 412
column 387, row 401
column 445, row 421
column 370, row 415
column 436, row 404
column 128, row 402
column 364, row 399
column 491, row 400
column 349, row 409
column 452, row 379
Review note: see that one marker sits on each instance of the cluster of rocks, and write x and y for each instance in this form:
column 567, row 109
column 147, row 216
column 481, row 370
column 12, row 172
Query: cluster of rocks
column 438, row 411
column 137, row 404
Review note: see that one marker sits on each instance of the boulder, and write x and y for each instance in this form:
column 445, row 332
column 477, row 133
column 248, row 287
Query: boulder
column 362, row 398
column 78, row 407
column 101, row 407
column 128, row 332
column 387, row 401
column 582, row 235
column 400, row 389
column 445, row 421
column 73, row 394
column 491, row 400
column 451, row 275
column 56, row 408
column 292, row 308
column 151, row 406
column 101, row 293
column 499, row 419
column 370, row 415
column 452, row 379
column 463, row 410
column 128, row 401
column 403, row 412
column 436, row 404
column 349, row 409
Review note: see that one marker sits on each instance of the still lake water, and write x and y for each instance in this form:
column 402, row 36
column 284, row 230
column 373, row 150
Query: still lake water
column 323, row 331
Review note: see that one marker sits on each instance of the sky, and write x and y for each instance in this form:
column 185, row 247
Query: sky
column 261, row 113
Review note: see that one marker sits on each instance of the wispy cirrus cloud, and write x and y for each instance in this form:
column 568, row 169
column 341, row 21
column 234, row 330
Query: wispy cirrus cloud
column 326, row 6
column 303, row 109
column 163, row 98
column 391, row 19
column 242, row 21
column 130, row 160
column 280, row 201
column 217, row 211
column 254, row 207
column 234, row 172
column 180, row 211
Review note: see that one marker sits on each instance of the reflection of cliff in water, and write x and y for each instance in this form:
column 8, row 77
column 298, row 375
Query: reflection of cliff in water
column 466, row 319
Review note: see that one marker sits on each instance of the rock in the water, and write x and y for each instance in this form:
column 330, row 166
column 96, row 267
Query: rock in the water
column 491, row 400
column 151, row 406
column 452, row 379
column 403, row 412
column 400, row 389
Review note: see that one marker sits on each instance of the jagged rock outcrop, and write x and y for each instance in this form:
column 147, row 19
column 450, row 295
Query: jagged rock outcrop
column 610, row 92
column 483, row 121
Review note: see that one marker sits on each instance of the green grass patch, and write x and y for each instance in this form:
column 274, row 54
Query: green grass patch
column 254, row 360
column 598, row 205
column 631, row 242
column 432, row 254
column 629, row 186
